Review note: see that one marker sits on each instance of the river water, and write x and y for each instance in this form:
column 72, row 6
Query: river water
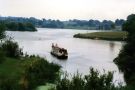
column 83, row 53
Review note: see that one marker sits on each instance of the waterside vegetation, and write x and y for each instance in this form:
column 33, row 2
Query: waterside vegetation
column 18, row 26
column 112, row 35
column 126, row 57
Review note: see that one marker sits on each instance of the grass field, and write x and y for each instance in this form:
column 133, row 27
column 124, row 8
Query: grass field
column 115, row 35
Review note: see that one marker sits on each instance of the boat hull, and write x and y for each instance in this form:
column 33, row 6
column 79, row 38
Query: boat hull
column 59, row 57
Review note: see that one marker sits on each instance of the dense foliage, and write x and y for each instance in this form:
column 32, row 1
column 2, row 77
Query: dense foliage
column 2, row 56
column 126, row 58
column 2, row 35
column 92, row 81
column 15, row 26
column 40, row 72
column 27, row 73
column 11, row 49
column 2, row 30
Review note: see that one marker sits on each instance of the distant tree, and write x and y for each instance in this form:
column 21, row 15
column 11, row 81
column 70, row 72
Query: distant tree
column 29, row 27
column 21, row 27
column 119, row 22
column 112, row 26
column 12, row 26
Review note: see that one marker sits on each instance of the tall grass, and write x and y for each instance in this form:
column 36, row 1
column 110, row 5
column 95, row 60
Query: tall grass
column 118, row 36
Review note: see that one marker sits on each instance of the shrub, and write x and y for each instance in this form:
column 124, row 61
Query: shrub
column 92, row 81
column 2, row 56
column 11, row 49
column 7, row 83
column 40, row 72
column 2, row 30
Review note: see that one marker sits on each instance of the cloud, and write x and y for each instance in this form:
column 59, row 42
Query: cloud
column 68, row 9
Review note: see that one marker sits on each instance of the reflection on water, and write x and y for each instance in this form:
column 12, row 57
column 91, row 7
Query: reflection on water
column 112, row 46
column 83, row 53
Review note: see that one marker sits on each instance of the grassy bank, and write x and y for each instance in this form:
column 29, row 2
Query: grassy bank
column 26, row 73
column 116, row 36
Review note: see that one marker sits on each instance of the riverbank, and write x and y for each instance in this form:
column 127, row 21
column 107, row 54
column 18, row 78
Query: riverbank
column 114, row 35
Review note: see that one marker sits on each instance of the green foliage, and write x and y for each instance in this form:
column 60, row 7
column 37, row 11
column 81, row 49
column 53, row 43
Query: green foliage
column 27, row 73
column 129, row 24
column 113, row 26
column 2, row 35
column 40, row 72
column 92, row 81
column 15, row 26
column 30, row 27
column 126, row 58
column 11, row 49
column 2, row 56
column 12, row 26
column 8, row 84
column 2, row 30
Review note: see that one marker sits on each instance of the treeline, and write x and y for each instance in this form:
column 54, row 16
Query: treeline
column 126, row 58
column 18, row 26
column 71, row 24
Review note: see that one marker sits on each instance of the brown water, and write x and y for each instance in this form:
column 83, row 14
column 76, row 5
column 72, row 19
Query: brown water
column 83, row 53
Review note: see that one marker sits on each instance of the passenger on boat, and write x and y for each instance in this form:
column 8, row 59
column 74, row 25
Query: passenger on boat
column 56, row 45
column 52, row 45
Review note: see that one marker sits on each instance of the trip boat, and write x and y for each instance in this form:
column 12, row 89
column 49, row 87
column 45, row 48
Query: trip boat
column 58, row 52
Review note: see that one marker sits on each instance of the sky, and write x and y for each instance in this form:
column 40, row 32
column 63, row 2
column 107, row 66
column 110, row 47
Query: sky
column 68, row 9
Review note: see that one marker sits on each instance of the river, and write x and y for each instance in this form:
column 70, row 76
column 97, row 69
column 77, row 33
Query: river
column 83, row 53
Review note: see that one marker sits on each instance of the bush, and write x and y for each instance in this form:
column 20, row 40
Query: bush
column 2, row 56
column 7, row 83
column 92, row 81
column 2, row 30
column 40, row 72
column 11, row 49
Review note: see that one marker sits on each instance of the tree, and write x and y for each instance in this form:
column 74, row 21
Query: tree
column 2, row 30
column 126, row 58
column 2, row 35
column 129, row 25
column 30, row 27
column 21, row 27
column 11, row 49
column 40, row 72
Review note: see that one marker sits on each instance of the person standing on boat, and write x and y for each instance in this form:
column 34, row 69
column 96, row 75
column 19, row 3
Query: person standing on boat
column 52, row 45
column 56, row 45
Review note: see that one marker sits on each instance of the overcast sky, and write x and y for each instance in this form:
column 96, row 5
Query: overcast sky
column 68, row 9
